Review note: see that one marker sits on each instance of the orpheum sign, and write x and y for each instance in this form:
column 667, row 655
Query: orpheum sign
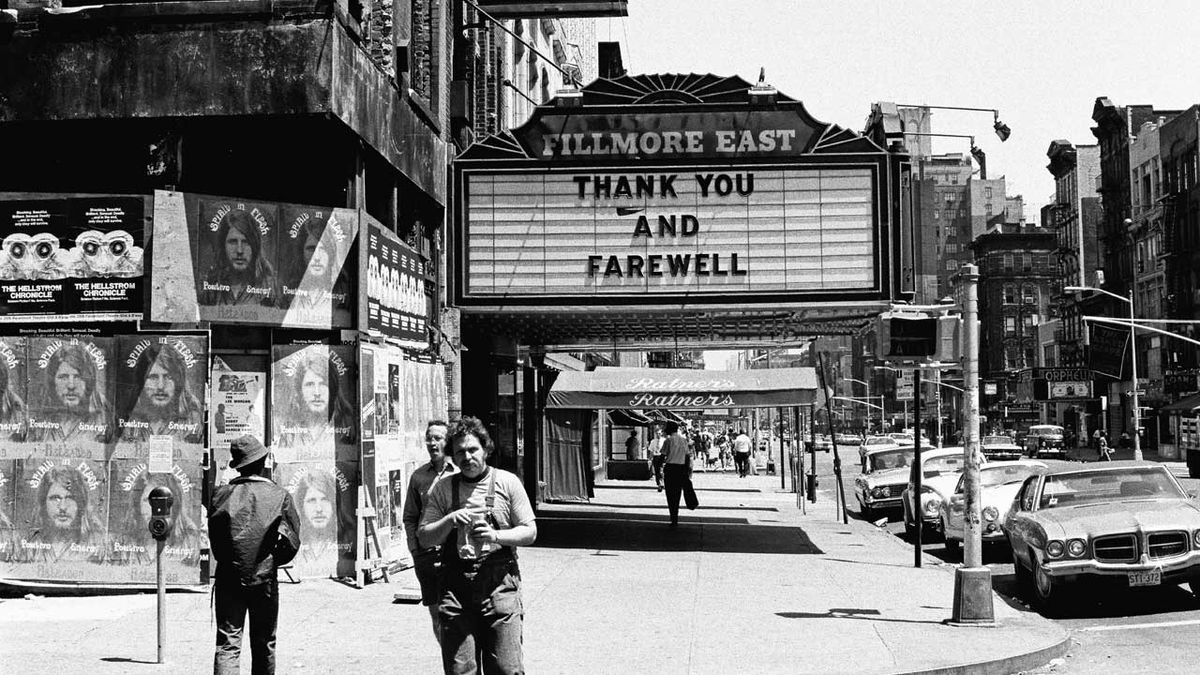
column 650, row 204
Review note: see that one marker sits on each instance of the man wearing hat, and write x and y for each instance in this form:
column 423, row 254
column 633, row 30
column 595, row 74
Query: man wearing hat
column 253, row 527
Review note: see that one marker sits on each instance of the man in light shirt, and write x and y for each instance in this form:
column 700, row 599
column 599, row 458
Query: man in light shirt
column 419, row 484
column 677, row 467
column 656, row 460
column 742, row 445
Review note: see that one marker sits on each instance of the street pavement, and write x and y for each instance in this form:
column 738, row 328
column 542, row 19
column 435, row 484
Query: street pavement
column 1145, row 631
column 747, row 583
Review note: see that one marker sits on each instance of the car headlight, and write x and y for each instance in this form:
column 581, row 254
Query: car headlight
column 990, row 514
column 932, row 505
column 881, row 492
column 1076, row 548
column 1054, row 549
column 1196, row 539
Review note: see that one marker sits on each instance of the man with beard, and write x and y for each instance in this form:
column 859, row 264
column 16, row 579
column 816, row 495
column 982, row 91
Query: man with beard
column 242, row 275
column 479, row 516
column 166, row 405
column 72, row 407
column 419, row 484
column 64, row 522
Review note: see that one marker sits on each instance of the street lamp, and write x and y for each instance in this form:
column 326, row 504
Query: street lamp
column 1137, row 412
column 868, row 387
column 1001, row 129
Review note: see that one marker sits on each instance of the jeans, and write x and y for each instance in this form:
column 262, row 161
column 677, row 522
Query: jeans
column 481, row 620
column 232, row 601
column 674, row 476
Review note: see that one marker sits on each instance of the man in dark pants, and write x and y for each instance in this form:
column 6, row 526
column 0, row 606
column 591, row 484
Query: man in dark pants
column 676, row 467
column 480, row 516
column 425, row 559
column 253, row 528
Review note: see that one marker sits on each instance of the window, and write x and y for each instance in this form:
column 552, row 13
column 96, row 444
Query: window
column 987, row 208
column 951, row 265
column 951, row 248
column 987, row 192
column 1010, row 294
column 937, row 214
column 1010, row 325
column 1027, row 262
column 1027, row 322
column 1008, row 262
column 1029, row 295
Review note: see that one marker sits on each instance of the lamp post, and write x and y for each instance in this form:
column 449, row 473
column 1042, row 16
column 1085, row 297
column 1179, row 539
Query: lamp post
column 1001, row 129
column 867, row 385
column 1137, row 411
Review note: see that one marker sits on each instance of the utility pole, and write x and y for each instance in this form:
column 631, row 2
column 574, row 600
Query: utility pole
column 972, row 581
column 1133, row 359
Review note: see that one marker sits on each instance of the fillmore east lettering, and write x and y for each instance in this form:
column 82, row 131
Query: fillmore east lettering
column 718, row 141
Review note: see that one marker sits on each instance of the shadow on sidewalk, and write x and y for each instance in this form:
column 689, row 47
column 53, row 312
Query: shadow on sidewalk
column 606, row 530
column 850, row 613
column 699, row 488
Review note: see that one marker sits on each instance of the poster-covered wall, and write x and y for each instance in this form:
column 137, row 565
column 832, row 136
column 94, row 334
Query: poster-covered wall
column 406, row 395
column 315, row 441
column 90, row 425
column 237, row 406
column 245, row 261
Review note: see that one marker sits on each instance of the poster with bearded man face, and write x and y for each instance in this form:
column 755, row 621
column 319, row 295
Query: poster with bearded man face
column 159, row 386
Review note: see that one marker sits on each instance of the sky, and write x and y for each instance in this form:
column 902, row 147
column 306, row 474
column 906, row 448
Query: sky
column 1041, row 64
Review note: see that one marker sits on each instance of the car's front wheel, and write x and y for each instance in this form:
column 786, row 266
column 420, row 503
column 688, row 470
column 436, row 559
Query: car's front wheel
column 953, row 547
column 1047, row 591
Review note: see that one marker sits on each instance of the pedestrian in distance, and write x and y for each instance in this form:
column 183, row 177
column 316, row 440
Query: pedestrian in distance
column 677, row 470
column 253, row 528
column 656, row 458
column 479, row 516
column 632, row 445
column 741, row 453
column 427, row 475
column 1102, row 451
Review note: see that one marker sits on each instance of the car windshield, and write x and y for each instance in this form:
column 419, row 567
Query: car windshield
column 1045, row 431
column 879, row 440
column 997, row 440
column 1092, row 487
column 991, row 476
column 943, row 464
column 891, row 459
column 902, row 437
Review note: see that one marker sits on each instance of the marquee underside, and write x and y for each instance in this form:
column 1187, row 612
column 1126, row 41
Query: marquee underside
column 638, row 329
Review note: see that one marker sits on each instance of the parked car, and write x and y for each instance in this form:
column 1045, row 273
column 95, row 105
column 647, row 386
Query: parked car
column 998, row 484
column 903, row 438
column 883, row 479
column 848, row 439
column 822, row 443
column 1045, row 441
column 940, row 470
column 1000, row 448
column 1127, row 522
column 873, row 443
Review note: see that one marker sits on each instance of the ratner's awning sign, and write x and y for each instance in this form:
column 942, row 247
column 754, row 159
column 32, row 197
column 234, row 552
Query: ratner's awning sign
column 649, row 204
column 678, row 389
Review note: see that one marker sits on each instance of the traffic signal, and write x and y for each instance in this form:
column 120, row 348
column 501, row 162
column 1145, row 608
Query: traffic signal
column 919, row 337
column 907, row 336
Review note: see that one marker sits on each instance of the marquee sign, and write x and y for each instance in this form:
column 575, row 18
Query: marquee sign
column 679, row 389
column 616, row 201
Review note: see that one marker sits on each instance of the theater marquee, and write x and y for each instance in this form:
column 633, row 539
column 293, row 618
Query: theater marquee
column 649, row 204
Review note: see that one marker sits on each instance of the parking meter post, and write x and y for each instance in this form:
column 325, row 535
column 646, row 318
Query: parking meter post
column 812, row 472
column 162, row 599
column 917, row 460
column 973, row 581
column 782, row 460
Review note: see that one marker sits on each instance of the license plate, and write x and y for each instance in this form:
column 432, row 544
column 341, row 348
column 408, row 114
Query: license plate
column 1148, row 578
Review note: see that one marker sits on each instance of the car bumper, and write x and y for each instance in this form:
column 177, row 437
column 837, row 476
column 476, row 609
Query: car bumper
column 1183, row 566
column 1002, row 456
column 880, row 504
column 991, row 532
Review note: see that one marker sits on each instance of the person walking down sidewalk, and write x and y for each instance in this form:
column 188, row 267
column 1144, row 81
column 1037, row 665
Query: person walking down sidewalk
column 677, row 467
column 656, row 458
column 1102, row 450
column 741, row 453
column 480, row 516
column 422, row 480
column 253, row 528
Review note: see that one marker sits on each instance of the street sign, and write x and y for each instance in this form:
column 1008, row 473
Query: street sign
column 904, row 385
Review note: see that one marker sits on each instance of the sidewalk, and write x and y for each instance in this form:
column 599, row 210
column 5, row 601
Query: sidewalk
column 746, row 584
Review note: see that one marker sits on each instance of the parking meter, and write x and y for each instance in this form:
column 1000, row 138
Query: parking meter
column 161, row 500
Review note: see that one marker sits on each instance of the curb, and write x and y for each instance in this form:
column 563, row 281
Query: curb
column 1008, row 665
